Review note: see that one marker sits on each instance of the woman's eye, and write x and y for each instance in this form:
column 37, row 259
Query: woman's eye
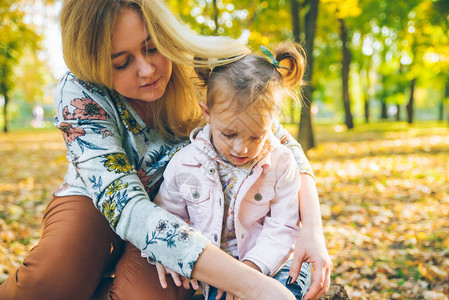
column 149, row 50
column 121, row 66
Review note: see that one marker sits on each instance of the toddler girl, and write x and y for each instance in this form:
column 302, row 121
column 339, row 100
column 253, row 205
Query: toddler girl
column 235, row 182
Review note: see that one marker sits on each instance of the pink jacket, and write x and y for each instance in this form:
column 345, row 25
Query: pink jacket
column 266, row 208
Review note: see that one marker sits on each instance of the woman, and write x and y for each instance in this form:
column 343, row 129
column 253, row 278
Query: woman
column 124, row 110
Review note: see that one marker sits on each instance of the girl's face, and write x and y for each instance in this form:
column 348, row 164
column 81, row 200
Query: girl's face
column 238, row 136
column 139, row 71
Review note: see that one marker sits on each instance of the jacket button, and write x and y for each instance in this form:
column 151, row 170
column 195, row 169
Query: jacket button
column 215, row 237
column 243, row 235
column 195, row 194
column 258, row 197
column 211, row 171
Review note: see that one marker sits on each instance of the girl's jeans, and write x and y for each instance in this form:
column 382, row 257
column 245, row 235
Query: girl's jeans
column 298, row 288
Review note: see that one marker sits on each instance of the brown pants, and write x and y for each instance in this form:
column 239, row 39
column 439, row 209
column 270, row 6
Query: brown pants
column 77, row 249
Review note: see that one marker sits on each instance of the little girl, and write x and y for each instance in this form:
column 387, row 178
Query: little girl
column 235, row 182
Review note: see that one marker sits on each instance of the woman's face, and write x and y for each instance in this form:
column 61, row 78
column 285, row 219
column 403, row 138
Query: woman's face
column 140, row 72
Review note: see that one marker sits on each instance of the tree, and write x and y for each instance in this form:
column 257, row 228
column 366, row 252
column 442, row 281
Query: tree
column 440, row 18
column 343, row 9
column 15, row 37
column 305, row 127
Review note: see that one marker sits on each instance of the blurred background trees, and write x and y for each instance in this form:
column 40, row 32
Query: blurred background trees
column 368, row 60
column 23, row 73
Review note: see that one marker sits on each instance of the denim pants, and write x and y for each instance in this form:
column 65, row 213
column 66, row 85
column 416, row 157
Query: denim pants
column 298, row 288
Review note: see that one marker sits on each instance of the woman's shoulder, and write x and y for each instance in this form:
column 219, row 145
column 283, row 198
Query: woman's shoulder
column 71, row 89
column 69, row 82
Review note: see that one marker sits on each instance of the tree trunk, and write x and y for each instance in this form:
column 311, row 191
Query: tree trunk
column 5, row 110
column 383, row 101
column 410, row 102
column 445, row 97
column 398, row 113
column 305, row 132
column 294, row 5
column 366, row 96
column 346, row 61
column 335, row 292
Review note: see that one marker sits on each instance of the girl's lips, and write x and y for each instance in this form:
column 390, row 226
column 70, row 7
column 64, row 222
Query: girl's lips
column 239, row 159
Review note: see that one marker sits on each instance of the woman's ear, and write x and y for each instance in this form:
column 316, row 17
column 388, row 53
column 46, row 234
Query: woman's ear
column 205, row 111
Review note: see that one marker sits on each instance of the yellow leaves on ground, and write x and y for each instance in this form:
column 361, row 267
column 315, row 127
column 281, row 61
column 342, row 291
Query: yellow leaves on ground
column 384, row 191
column 33, row 165
column 384, row 195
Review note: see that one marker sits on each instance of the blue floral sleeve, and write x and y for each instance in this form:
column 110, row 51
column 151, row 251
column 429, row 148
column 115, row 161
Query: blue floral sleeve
column 287, row 140
column 110, row 162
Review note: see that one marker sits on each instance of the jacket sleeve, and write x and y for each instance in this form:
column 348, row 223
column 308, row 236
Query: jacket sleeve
column 287, row 140
column 94, row 135
column 275, row 242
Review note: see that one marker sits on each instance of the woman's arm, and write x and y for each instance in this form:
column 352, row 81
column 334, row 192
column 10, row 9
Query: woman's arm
column 224, row 272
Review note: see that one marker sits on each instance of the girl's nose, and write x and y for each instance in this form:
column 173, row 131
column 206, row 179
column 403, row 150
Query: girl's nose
column 240, row 147
column 145, row 67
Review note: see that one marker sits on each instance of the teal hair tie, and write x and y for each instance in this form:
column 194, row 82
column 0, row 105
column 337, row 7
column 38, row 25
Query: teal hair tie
column 270, row 55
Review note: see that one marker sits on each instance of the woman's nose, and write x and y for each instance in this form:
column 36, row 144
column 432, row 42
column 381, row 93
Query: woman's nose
column 145, row 66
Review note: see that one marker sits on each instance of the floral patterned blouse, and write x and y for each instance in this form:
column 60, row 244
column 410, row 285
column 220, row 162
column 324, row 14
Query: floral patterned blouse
column 118, row 161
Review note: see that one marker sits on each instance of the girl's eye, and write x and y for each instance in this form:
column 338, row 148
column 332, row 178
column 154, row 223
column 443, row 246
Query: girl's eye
column 257, row 138
column 228, row 136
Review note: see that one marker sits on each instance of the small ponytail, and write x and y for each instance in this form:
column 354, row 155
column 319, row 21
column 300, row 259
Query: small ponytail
column 291, row 57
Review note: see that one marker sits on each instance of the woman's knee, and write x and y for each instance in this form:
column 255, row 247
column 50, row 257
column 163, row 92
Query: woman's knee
column 135, row 278
column 76, row 248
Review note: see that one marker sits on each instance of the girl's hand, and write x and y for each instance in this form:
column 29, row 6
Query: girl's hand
column 177, row 279
column 311, row 248
column 228, row 296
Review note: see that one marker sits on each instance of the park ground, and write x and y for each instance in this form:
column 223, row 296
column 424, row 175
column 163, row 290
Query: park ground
column 384, row 192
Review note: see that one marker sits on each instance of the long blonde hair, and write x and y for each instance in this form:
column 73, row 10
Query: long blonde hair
column 87, row 25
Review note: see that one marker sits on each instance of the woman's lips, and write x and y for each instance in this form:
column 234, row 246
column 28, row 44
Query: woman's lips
column 150, row 85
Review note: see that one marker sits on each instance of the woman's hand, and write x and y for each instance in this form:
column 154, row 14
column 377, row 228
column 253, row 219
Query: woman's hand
column 219, row 269
column 177, row 279
column 310, row 247
column 230, row 296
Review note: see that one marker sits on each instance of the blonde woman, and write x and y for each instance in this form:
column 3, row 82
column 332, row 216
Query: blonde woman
column 125, row 108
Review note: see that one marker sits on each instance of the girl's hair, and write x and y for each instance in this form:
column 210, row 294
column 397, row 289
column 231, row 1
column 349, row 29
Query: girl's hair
column 87, row 25
column 255, row 80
